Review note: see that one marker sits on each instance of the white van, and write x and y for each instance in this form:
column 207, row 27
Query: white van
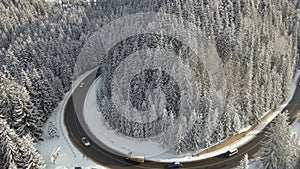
column 231, row 152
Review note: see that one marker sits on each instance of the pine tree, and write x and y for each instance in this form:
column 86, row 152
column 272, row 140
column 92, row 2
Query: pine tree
column 43, row 96
column 179, row 139
column 17, row 107
column 8, row 146
column 277, row 149
column 244, row 162
column 35, row 160
column 18, row 152
column 163, row 139
column 295, row 149
column 196, row 133
column 180, row 136
column 25, row 81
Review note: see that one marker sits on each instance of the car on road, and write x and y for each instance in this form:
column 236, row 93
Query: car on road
column 231, row 152
column 85, row 141
column 81, row 84
column 175, row 165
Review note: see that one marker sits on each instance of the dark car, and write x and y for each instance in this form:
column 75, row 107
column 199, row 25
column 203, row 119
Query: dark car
column 175, row 165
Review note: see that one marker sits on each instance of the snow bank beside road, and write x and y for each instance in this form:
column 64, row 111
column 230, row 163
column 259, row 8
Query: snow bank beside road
column 296, row 127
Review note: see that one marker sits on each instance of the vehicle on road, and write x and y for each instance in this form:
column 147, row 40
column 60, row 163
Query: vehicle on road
column 231, row 152
column 81, row 84
column 136, row 157
column 175, row 165
column 85, row 141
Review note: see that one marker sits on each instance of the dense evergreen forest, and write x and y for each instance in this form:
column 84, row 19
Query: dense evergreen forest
column 41, row 42
column 257, row 42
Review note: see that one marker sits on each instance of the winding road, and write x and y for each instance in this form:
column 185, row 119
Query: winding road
column 74, row 121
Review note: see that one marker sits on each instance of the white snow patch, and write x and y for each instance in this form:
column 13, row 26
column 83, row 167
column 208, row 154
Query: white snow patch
column 244, row 129
column 296, row 127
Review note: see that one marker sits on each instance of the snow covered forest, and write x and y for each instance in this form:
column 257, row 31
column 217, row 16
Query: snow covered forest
column 258, row 44
column 281, row 147
column 257, row 40
column 38, row 49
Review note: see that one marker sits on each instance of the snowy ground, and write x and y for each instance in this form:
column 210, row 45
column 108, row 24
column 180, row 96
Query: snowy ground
column 69, row 157
column 296, row 127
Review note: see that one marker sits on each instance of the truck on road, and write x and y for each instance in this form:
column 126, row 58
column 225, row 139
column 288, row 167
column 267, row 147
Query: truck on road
column 136, row 157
